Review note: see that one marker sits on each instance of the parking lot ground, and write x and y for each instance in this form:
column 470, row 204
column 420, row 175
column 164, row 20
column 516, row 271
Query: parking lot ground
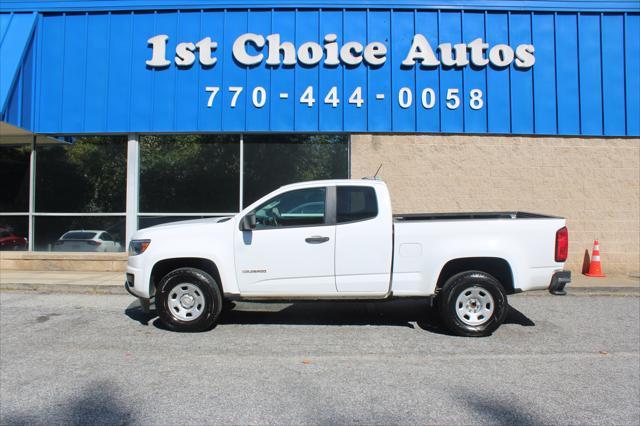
column 85, row 359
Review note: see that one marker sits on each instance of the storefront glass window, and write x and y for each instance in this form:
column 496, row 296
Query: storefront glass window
column 50, row 230
column 13, row 232
column 271, row 161
column 14, row 175
column 15, row 154
column 86, row 176
column 189, row 173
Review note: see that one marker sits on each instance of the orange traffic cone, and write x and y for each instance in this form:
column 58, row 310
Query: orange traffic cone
column 595, row 268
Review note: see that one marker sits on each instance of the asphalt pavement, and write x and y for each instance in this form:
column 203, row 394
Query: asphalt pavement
column 97, row 359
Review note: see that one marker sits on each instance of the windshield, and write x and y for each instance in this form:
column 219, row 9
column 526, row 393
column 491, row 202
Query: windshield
column 78, row 235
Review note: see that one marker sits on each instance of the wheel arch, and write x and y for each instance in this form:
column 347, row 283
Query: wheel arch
column 164, row 266
column 495, row 266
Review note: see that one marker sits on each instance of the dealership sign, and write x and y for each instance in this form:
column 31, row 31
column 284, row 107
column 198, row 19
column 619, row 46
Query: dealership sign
column 252, row 49
column 352, row 70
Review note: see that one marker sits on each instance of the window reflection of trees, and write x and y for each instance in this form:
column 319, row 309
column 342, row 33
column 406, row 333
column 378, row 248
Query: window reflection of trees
column 87, row 176
column 189, row 173
column 273, row 160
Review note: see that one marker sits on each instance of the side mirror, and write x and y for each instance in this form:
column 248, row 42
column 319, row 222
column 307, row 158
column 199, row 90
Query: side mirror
column 248, row 222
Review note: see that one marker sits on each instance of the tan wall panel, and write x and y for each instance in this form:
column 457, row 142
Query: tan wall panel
column 594, row 183
column 46, row 261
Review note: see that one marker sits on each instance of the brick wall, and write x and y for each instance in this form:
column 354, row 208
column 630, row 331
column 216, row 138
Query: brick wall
column 594, row 183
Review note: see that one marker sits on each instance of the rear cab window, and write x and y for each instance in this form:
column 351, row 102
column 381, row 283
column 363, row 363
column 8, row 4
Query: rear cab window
column 356, row 203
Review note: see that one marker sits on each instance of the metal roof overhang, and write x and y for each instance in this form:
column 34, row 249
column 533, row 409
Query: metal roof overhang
column 15, row 136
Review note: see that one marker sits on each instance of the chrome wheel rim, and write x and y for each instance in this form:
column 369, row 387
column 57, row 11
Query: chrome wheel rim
column 186, row 302
column 474, row 306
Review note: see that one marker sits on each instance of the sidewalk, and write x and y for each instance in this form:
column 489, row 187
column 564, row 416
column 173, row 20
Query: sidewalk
column 113, row 283
column 64, row 281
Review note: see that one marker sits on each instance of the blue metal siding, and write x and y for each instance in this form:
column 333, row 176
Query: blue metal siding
column 355, row 29
column 379, row 28
column 428, row 119
column 332, row 119
column 92, row 78
column 567, row 74
column 521, row 80
column 544, row 90
column 632, row 73
column 475, row 120
column 128, row 5
column 258, row 117
column 498, row 88
column 590, row 74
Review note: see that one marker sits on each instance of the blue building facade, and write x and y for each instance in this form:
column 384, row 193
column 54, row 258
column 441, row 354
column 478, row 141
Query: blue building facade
column 352, row 66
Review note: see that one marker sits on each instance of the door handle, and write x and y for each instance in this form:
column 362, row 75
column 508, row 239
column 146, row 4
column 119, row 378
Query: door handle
column 316, row 240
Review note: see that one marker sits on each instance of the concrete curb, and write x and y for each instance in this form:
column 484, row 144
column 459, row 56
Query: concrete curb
column 64, row 288
column 603, row 291
column 119, row 289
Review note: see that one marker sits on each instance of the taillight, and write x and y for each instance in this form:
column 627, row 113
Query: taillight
column 94, row 243
column 562, row 244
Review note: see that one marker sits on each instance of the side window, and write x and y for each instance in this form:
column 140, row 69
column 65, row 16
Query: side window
column 356, row 203
column 106, row 237
column 302, row 207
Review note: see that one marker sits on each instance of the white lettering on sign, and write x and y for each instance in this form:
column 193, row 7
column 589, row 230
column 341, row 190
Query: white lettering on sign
column 240, row 48
column 276, row 48
column 455, row 98
column 159, row 51
column 185, row 56
column 251, row 49
column 205, row 48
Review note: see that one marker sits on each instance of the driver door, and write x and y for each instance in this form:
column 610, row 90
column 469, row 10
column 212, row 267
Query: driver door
column 291, row 250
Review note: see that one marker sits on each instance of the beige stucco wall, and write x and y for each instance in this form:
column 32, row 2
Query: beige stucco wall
column 594, row 183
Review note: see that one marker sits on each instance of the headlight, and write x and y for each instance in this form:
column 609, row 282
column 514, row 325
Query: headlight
column 137, row 247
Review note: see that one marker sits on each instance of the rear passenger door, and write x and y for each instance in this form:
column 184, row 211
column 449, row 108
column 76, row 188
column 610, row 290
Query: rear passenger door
column 363, row 241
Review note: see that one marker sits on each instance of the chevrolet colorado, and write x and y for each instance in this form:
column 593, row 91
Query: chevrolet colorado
column 338, row 239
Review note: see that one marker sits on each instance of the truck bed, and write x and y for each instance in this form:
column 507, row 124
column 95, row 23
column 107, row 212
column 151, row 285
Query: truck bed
column 425, row 243
column 414, row 217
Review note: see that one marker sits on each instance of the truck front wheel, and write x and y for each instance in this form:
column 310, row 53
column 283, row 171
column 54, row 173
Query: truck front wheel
column 472, row 304
column 188, row 299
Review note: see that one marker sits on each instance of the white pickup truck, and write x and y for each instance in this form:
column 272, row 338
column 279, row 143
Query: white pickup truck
column 338, row 239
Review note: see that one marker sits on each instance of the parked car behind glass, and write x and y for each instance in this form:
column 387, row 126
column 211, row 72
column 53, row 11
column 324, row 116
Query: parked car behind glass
column 86, row 241
column 9, row 240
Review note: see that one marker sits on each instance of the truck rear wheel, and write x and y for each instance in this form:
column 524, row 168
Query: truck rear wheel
column 188, row 299
column 472, row 304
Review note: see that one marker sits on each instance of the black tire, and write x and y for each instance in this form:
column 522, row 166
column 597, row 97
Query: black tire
column 207, row 288
column 465, row 282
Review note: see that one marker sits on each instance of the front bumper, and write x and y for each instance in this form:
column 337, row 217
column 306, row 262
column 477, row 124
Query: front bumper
column 126, row 287
column 558, row 281
column 147, row 305
column 137, row 278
